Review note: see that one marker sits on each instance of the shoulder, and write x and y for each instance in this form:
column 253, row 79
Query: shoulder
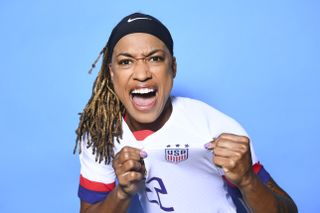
column 197, row 106
column 202, row 113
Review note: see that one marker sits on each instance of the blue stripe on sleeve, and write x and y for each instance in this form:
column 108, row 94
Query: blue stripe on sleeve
column 264, row 175
column 91, row 197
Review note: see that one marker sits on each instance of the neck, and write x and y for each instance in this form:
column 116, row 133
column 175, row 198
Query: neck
column 155, row 125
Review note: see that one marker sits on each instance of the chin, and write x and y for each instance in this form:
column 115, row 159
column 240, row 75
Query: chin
column 145, row 118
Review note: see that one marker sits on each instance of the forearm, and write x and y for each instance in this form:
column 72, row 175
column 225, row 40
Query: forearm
column 116, row 201
column 261, row 198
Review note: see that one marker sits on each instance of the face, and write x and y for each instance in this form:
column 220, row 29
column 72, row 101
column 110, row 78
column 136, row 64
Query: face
column 142, row 71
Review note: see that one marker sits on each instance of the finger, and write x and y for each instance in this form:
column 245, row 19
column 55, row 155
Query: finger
column 130, row 177
column 129, row 189
column 210, row 145
column 132, row 188
column 227, row 153
column 130, row 182
column 225, row 144
column 131, row 165
column 233, row 137
column 226, row 163
column 242, row 146
column 120, row 160
column 130, row 153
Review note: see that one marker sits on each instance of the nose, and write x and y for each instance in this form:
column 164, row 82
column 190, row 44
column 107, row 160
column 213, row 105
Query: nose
column 141, row 71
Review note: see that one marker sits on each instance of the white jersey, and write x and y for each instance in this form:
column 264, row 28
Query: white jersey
column 180, row 174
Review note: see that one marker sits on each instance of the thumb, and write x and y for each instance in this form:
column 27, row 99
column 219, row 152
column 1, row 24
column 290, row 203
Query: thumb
column 210, row 145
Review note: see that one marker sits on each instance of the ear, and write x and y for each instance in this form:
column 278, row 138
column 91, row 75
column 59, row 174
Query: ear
column 111, row 71
column 174, row 66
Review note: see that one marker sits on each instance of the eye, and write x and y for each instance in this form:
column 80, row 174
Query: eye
column 156, row 58
column 125, row 62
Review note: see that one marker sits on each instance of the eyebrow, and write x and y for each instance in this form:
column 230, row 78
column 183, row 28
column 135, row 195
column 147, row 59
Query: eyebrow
column 147, row 55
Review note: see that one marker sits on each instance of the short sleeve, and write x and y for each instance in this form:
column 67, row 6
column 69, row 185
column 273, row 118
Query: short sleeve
column 96, row 179
column 219, row 123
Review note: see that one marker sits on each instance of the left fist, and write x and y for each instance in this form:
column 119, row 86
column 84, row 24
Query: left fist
column 232, row 153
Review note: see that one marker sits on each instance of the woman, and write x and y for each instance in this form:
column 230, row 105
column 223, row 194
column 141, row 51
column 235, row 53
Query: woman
column 177, row 154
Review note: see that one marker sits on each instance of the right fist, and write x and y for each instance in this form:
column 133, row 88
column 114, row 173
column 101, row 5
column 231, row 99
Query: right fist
column 129, row 168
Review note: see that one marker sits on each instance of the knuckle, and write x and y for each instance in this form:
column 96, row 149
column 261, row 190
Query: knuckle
column 216, row 151
column 245, row 139
column 224, row 135
column 132, row 164
column 125, row 156
column 243, row 148
column 133, row 176
column 238, row 155
column 116, row 165
column 125, row 149
column 232, row 163
column 124, row 179
column 217, row 160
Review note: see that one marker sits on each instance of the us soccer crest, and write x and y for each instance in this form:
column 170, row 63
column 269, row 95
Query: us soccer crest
column 176, row 153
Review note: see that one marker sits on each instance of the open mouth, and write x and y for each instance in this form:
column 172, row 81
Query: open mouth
column 143, row 97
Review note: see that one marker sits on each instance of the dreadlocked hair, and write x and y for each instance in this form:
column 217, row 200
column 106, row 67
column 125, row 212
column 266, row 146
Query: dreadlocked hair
column 100, row 121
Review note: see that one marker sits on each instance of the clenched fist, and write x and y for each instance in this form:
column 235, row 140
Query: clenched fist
column 232, row 153
column 129, row 168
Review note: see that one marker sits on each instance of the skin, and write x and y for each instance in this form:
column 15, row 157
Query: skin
column 143, row 61
column 232, row 154
column 150, row 66
column 154, row 67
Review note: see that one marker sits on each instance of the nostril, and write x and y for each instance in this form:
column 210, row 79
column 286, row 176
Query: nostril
column 142, row 75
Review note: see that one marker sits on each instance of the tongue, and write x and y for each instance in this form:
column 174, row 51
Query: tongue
column 143, row 101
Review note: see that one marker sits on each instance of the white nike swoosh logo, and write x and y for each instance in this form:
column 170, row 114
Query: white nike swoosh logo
column 138, row 18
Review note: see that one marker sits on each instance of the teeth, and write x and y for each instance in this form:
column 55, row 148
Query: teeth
column 142, row 91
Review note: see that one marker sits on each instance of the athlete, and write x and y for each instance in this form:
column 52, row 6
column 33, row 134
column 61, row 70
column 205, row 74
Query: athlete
column 176, row 154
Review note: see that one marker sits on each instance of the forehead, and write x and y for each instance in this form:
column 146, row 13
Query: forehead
column 139, row 42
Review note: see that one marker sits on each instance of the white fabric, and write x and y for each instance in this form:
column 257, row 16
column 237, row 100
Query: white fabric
column 192, row 185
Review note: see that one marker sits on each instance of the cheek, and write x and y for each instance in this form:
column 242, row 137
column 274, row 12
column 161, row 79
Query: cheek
column 115, row 81
column 119, row 85
column 168, row 79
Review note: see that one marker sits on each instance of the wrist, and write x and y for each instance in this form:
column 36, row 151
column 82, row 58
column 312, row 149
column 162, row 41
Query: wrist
column 247, row 180
column 122, row 194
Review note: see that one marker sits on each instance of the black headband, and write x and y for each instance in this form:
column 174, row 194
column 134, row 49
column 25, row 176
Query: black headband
column 139, row 23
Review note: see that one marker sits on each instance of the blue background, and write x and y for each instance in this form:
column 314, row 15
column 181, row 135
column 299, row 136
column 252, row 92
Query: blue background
column 258, row 61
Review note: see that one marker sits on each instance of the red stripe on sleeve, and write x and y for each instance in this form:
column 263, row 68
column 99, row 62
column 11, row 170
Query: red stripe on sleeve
column 257, row 167
column 96, row 186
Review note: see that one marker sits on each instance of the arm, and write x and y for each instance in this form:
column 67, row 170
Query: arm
column 116, row 201
column 232, row 153
column 129, row 168
column 266, row 198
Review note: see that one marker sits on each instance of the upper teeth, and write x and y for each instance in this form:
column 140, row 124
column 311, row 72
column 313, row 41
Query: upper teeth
column 142, row 91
